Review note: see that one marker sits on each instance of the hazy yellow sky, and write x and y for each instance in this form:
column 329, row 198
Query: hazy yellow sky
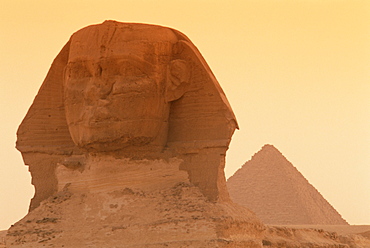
column 296, row 72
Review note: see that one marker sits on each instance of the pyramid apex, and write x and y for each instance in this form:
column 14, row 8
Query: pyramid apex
column 269, row 146
column 268, row 150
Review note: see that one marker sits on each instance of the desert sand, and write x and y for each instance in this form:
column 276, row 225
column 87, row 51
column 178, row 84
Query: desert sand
column 340, row 229
column 317, row 236
column 354, row 236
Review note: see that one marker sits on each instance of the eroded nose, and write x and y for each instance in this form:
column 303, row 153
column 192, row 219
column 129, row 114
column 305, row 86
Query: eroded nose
column 104, row 88
column 98, row 90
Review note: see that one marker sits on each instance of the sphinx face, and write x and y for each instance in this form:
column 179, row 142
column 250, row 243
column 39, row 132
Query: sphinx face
column 117, row 102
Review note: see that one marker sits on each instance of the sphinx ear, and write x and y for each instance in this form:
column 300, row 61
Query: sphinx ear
column 178, row 77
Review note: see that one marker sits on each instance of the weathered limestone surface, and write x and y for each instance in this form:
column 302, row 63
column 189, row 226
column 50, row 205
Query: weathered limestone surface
column 278, row 193
column 124, row 203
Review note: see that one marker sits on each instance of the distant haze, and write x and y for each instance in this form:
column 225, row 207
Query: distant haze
column 295, row 72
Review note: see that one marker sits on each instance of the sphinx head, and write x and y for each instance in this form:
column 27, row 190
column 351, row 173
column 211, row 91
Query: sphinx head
column 118, row 85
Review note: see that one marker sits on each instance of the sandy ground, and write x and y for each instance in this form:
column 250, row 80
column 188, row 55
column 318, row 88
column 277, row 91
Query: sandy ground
column 340, row 229
column 364, row 230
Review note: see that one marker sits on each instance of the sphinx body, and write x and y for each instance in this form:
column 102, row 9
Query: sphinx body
column 127, row 136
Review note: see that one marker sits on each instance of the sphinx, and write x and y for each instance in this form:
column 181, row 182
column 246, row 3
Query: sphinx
column 133, row 91
column 127, row 137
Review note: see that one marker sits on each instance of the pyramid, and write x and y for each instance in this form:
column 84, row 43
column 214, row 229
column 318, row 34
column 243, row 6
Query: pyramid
column 278, row 193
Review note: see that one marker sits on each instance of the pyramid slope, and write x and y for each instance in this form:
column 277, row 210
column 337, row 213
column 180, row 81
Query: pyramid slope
column 278, row 193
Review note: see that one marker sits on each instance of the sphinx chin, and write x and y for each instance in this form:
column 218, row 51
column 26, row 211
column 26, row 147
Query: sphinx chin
column 118, row 144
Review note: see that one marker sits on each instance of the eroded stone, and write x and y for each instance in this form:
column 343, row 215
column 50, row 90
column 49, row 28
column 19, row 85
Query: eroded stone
column 129, row 91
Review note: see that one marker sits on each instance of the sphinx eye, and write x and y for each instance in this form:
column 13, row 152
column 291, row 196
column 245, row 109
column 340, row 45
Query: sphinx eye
column 129, row 70
column 77, row 70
